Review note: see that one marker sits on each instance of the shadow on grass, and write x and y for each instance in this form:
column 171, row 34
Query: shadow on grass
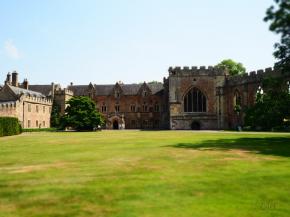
column 276, row 146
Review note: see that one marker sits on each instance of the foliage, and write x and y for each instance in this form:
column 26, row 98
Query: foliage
column 234, row 68
column 279, row 16
column 81, row 115
column 271, row 109
column 9, row 126
column 55, row 115
column 30, row 130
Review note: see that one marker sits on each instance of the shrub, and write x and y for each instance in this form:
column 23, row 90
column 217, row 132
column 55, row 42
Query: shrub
column 9, row 126
column 29, row 130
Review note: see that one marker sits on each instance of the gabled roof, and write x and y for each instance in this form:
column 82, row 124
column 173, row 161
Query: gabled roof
column 128, row 89
column 19, row 91
column 79, row 90
column 44, row 89
column 107, row 89
column 104, row 90
column 155, row 87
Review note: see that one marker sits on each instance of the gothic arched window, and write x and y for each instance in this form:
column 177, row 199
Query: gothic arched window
column 194, row 101
column 237, row 99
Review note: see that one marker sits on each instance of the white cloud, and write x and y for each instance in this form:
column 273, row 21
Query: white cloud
column 11, row 50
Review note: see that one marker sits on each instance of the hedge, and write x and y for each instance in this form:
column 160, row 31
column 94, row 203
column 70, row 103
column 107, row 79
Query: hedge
column 9, row 126
column 30, row 130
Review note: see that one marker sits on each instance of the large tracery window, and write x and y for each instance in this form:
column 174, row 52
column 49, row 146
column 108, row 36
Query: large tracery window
column 194, row 101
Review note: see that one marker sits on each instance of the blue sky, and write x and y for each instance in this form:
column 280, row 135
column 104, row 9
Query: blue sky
column 132, row 41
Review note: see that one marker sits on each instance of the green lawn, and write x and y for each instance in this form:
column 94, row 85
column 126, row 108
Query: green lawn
column 145, row 173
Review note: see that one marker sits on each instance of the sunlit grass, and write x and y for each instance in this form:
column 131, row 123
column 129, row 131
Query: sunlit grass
column 145, row 173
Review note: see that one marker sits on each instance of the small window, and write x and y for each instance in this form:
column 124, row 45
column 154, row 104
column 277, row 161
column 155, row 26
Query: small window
column 29, row 107
column 117, row 108
column 28, row 123
column 237, row 99
column 156, row 108
column 36, row 123
column 145, row 93
column 37, row 108
column 43, row 123
column 145, row 108
column 43, row 109
column 104, row 108
column 133, row 108
column 117, row 94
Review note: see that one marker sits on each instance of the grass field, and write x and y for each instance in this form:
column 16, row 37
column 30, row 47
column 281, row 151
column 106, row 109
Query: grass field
column 145, row 173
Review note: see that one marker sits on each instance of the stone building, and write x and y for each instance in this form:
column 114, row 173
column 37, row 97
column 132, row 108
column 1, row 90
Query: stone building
column 129, row 106
column 205, row 98
column 32, row 108
column 208, row 98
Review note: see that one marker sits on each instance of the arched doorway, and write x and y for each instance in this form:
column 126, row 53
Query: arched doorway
column 116, row 125
column 195, row 125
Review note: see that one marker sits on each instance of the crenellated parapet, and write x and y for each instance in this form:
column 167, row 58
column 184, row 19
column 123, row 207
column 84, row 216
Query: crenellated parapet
column 252, row 77
column 64, row 91
column 37, row 100
column 196, row 71
column 6, row 105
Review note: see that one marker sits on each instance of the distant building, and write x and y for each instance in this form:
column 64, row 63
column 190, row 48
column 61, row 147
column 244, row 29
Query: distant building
column 32, row 108
column 189, row 98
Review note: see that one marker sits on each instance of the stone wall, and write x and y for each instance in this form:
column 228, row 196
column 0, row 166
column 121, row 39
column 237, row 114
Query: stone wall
column 181, row 80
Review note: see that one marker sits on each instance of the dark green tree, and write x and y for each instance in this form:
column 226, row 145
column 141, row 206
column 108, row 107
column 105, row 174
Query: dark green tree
column 271, row 109
column 55, row 115
column 81, row 114
column 279, row 17
column 234, row 68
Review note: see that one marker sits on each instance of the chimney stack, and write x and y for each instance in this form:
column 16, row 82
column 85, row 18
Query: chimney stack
column 25, row 84
column 15, row 79
column 8, row 79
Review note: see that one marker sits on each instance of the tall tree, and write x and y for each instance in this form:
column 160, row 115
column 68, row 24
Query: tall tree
column 81, row 114
column 279, row 17
column 234, row 68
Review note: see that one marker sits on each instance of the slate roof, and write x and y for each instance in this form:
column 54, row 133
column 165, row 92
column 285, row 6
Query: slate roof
column 44, row 89
column 18, row 91
column 156, row 87
column 128, row 89
column 79, row 90
column 131, row 89
column 104, row 90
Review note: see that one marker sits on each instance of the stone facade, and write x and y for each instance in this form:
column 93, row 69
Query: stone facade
column 32, row 108
column 203, row 98
column 129, row 106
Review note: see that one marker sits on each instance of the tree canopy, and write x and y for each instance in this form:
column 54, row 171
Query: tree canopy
column 81, row 114
column 271, row 109
column 279, row 17
column 234, row 68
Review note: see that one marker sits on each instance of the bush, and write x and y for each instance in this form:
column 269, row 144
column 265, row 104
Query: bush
column 9, row 126
column 29, row 130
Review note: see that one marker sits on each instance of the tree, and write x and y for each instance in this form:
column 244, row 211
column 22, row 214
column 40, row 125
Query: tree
column 55, row 115
column 81, row 114
column 279, row 16
column 232, row 67
column 271, row 109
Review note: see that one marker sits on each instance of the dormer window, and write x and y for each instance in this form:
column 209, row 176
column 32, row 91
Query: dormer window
column 145, row 93
column 117, row 94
